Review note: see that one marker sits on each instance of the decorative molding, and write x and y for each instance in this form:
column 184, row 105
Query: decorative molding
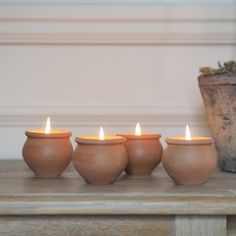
column 108, row 120
column 106, row 116
column 118, row 2
column 118, row 25
column 116, row 39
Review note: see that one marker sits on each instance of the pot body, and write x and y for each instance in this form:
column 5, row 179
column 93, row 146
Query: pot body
column 219, row 96
column 100, row 164
column 143, row 155
column 47, row 157
column 189, row 164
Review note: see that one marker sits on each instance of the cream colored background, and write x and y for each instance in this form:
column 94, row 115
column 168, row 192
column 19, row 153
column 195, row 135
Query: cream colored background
column 87, row 66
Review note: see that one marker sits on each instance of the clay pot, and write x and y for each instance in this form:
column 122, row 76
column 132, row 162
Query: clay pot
column 144, row 153
column 100, row 161
column 189, row 162
column 47, row 155
column 219, row 96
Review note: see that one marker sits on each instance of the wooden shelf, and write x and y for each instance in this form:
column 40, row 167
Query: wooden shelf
column 26, row 199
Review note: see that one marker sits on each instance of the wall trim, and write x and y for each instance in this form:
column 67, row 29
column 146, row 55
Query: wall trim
column 138, row 39
column 118, row 2
column 25, row 116
column 168, row 120
column 118, row 25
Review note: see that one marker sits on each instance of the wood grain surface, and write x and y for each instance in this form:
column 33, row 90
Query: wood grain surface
column 200, row 226
column 151, row 205
column 231, row 225
column 86, row 226
column 21, row 193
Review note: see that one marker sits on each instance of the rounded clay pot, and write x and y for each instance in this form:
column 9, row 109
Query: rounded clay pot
column 47, row 155
column 144, row 153
column 100, row 161
column 189, row 162
column 219, row 96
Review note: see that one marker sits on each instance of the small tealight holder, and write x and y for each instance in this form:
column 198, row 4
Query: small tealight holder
column 189, row 161
column 144, row 152
column 46, row 152
column 100, row 159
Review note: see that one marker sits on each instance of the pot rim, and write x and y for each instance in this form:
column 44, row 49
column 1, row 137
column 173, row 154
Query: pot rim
column 144, row 136
column 95, row 140
column 53, row 134
column 195, row 140
column 217, row 79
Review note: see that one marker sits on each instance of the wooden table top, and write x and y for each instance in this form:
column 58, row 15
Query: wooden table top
column 21, row 193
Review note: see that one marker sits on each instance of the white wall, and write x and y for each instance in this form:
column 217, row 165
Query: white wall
column 87, row 66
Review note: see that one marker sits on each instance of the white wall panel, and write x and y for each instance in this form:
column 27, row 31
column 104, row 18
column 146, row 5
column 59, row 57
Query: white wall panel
column 87, row 66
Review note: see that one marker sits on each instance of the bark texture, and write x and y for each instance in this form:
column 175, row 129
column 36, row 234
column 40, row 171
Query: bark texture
column 219, row 96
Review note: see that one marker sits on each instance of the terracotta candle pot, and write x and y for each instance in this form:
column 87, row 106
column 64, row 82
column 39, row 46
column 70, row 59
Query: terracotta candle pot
column 189, row 162
column 144, row 153
column 47, row 154
column 100, row 161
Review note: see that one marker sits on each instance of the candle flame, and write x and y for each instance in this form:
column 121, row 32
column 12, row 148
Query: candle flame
column 101, row 134
column 48, row 126
column 187, row 133
column 138, row 130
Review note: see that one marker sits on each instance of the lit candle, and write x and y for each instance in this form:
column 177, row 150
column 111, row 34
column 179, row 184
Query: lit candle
column 100, row 159
column 48, row 126
column 138, row 130
column 47, row 152
column 101, row 134
column 187, row 133
column 144, row 151
column 47, row 131
column 189, row 160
